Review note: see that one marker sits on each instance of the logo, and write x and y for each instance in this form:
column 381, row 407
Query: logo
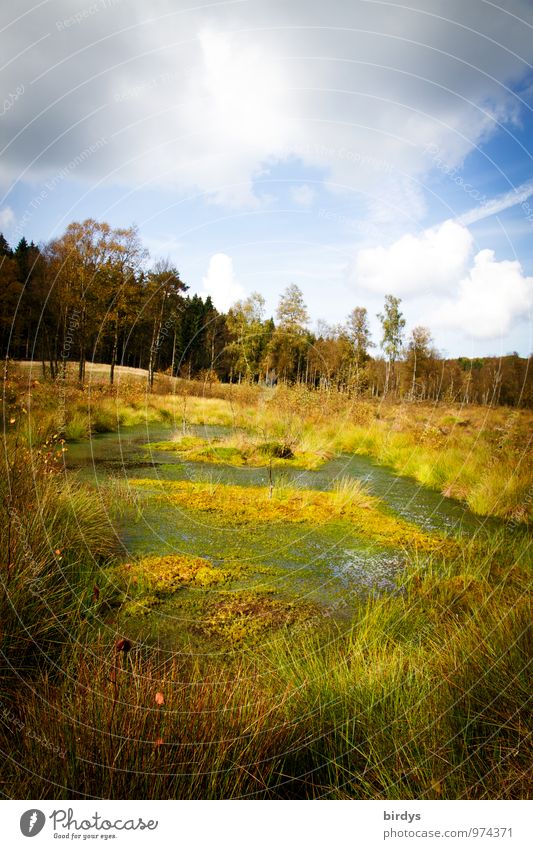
column 32, row 822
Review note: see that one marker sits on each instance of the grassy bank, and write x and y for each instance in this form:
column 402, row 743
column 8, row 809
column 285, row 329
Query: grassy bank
column 43, row 408
column 479, row 455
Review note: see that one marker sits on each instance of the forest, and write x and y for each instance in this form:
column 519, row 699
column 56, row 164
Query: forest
column 92, row 295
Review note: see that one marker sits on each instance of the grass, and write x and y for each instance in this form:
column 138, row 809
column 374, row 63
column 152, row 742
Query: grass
column 423, row 694
column 418, row 699
column 54, row 533
column 239, row 450
column 349, row 494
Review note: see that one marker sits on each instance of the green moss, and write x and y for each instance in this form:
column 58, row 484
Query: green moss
column 235, row 505
column 152, row 580
column 239, row 451
column 162, row 575
column 246, row 616
column 225, row 454
column 201, row 604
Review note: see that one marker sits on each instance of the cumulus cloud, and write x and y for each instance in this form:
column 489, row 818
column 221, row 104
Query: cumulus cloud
column 474, row 295
column 415, row 264
column 205, row 98
column 220, row 282
column 7, row 216
column 490, row 299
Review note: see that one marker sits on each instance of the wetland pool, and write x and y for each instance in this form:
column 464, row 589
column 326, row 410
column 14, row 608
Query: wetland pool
column 329, row 565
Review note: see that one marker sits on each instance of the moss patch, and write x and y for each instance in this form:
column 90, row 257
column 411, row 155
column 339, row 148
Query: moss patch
column 151, row 580
column 240, row 451
column 205, row 608
column 247, row 616
column 236, row 505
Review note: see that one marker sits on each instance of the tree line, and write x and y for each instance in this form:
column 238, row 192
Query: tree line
column 92, row 295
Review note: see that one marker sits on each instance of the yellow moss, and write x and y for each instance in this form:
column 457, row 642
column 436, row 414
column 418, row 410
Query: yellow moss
column 238, row 505
column 244, row 616
column 162, row 575
column 140, row 606
column 239, row 451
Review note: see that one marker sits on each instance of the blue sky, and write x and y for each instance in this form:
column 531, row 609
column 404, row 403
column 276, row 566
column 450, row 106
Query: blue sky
column 355, row 148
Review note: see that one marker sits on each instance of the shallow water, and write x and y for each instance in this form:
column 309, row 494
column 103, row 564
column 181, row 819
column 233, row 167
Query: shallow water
column 327, row 564
column 125, row 455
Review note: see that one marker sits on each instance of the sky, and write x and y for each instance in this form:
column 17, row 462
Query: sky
column 356, row 148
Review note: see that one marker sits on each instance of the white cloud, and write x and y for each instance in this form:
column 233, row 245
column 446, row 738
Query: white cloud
column 7, row 216
column 429, row 262
column 303, row 195
column 200, row 99
column 474, row 295
column 220, row 282
column 498, row 204
column 491, row 298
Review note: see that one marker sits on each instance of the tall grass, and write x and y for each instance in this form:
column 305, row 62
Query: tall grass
column 351, row 492
column 425, row 695
column 53, row 534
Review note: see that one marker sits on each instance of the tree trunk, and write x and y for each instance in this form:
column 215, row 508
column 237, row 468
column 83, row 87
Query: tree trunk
column 114, row 353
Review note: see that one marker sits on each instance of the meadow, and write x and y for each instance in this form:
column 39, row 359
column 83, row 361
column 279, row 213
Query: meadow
column 420, row 691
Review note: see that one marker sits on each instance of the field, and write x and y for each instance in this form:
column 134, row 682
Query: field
column 247, row 661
